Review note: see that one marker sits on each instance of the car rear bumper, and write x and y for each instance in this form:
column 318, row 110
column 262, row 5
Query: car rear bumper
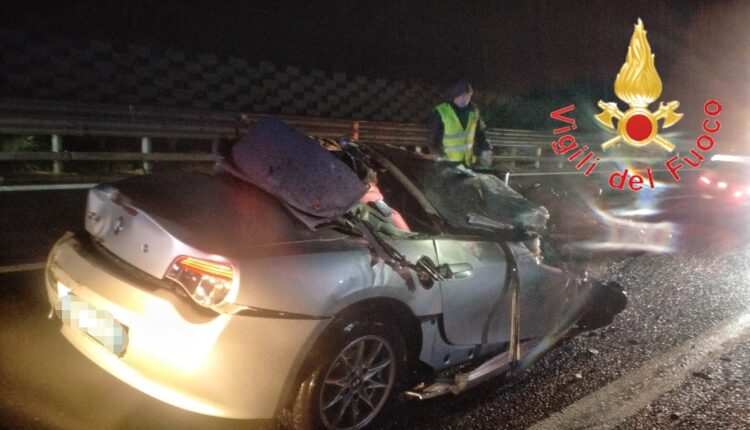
column 214, row 364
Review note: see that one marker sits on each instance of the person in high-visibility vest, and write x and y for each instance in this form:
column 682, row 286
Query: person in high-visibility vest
column 456, row 131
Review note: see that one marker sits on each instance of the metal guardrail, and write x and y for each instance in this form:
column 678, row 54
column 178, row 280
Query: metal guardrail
column 512, row 148
column 75, row 119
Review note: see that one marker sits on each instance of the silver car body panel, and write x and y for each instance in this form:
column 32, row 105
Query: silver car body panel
column 324, row 283
column 316, row 283
column 132, row 234
column 225, row 365
column 549, row 297
column 440, row 354
column 476, row 309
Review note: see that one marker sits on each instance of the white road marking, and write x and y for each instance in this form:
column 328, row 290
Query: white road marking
column 46, row 187
column 624, row 397
column 21, row 267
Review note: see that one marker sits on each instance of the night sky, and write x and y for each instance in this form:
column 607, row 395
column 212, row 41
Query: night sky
column 702, row 48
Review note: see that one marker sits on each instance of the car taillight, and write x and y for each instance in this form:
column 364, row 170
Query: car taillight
column 207, row 281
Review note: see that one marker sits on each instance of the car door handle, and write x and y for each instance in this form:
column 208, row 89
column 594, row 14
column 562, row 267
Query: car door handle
column 457, row 271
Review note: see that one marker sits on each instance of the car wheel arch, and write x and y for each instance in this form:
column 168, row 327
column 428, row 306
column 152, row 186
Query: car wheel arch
column 388, row 311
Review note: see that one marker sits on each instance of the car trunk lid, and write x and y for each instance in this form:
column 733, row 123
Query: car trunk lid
column 148, row 221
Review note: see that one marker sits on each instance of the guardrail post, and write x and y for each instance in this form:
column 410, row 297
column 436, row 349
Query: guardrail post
column 538, row 155
column 355, row 130
column 146, row 149
column 56, row 147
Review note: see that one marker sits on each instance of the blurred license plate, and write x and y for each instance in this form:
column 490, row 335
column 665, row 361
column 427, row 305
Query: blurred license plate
column 100, row 325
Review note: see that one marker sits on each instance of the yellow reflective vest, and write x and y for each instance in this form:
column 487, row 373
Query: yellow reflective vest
column 458, row 142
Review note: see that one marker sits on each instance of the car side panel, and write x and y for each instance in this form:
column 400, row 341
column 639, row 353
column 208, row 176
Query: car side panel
column 476, row 309
column 324, row 283
column 549, row 297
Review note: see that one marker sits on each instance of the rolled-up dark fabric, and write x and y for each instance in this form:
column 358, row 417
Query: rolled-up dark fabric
column 313, row 183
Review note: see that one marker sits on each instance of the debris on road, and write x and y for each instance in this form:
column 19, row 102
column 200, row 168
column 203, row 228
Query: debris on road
column 702, row 375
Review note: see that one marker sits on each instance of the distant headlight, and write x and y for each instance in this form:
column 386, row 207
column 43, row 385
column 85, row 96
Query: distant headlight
column 208, row 282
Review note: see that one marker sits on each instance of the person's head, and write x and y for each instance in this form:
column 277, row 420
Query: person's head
column 461, row 94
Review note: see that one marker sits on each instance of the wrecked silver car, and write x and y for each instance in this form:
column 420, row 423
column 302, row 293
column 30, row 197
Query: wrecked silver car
column 277, row 288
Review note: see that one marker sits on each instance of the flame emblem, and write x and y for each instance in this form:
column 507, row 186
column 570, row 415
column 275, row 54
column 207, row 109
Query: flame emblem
column 638, row 84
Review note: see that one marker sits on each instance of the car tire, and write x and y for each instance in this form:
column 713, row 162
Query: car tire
column 355, row 377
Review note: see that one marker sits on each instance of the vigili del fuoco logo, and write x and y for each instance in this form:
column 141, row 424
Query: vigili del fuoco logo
column 638, row 84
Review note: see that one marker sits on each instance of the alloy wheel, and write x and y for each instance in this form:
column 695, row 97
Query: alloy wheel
column 357, row 383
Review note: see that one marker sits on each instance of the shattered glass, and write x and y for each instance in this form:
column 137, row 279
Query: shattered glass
column 457, row 193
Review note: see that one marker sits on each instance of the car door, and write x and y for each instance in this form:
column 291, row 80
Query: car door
column 476, row 298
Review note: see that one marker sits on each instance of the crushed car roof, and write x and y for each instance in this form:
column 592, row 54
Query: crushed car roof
column 457, row 193
column 317, row 187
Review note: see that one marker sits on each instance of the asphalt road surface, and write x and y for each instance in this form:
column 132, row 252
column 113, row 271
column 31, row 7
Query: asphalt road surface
column 678, row 357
